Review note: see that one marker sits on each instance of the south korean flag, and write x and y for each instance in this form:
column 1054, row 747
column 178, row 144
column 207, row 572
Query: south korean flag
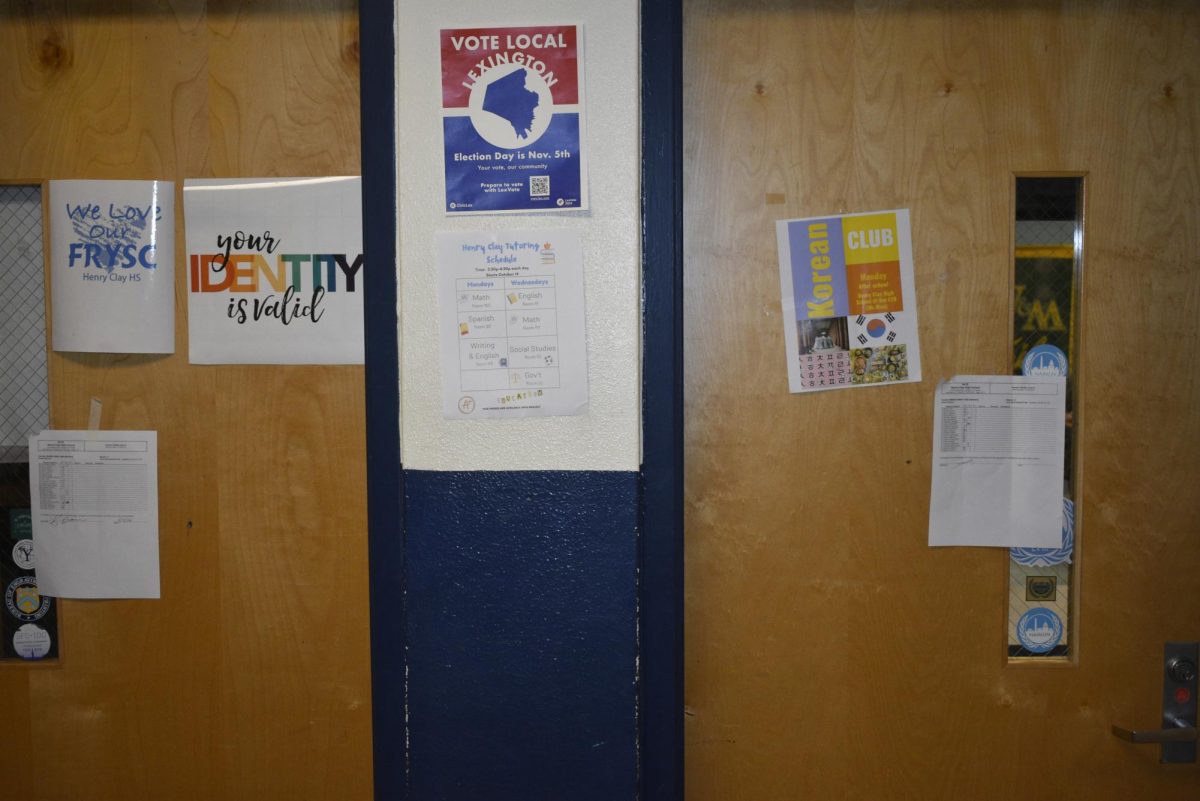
column 876, row 330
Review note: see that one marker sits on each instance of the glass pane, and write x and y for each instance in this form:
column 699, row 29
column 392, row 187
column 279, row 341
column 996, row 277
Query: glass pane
column 28, row 620
column 1046, row 275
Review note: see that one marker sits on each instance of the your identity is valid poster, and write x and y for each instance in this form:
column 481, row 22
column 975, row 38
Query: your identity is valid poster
column 275, row 270
column 513, row 119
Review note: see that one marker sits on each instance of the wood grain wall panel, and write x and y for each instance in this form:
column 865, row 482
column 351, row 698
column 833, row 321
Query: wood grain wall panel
column 830, row 653
column 250, row 678
column 14, row 692
column 289, row 108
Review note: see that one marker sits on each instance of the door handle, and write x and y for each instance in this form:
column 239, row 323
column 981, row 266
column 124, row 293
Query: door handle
column 1181, row 668
column 1182, row 733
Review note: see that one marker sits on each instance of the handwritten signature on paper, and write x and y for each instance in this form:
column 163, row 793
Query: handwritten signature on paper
column 63, row 520
column 57, row 521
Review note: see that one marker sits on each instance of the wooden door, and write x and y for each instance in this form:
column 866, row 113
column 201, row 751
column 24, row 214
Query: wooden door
column 250, row 678
column 830, row 653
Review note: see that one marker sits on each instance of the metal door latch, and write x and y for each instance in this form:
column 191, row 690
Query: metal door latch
column 1178, row 733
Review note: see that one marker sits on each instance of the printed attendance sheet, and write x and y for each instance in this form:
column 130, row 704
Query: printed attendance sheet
column 998, row 445
column 95, row 513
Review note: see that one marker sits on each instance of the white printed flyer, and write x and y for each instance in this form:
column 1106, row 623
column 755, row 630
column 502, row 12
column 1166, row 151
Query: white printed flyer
column 512, row 327
column 998, row 451
column 95, row 513
column 275, row 270
column 112, row 266
column 849, row 301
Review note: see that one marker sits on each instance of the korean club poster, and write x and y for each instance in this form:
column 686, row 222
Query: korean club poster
column 849, row 301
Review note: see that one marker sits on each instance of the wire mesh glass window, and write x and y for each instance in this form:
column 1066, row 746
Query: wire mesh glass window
column 28, row 620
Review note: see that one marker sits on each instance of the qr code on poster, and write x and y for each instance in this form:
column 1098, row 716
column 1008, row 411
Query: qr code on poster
column 539, row 186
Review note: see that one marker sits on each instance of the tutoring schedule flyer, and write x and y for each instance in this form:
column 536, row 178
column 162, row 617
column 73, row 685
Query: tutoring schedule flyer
column 511, row 314
column 513, row 119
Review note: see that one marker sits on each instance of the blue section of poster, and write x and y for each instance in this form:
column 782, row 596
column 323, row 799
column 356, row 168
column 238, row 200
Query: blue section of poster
column 818, row 268
column 542, row 176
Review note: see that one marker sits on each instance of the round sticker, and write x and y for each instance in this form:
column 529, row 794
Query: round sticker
column 23, row 600
column 1044, row 360
column 1048, row 557
column 22, row 554
column 466, row 404
column 1039, row 630
column 31, row 642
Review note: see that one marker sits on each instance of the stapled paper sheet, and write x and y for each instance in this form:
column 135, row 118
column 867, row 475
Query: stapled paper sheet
column 95, row 513
column 998, row 445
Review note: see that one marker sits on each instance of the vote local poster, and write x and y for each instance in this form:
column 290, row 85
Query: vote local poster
column 275, row 270
column 112, row 266
column 512, row 119
column 849, row 301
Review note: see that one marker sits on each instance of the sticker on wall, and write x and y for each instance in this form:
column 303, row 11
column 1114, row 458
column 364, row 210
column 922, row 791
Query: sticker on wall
column 1039, row 630
column 513, row 339
column 20, row 524
column 1041, row 588
column 112, row 273
column 275, row 270
column 31, row 641
column 1048, row 557
column 849, row 300
column 22, row 554
column 1044, row 360
column 513, row 119
column 23, row 600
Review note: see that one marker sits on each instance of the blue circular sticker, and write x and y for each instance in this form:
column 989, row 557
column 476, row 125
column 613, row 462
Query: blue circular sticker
column 1048, row 557
column 23, row 600
column 1039, row 630
column 1044, row 360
